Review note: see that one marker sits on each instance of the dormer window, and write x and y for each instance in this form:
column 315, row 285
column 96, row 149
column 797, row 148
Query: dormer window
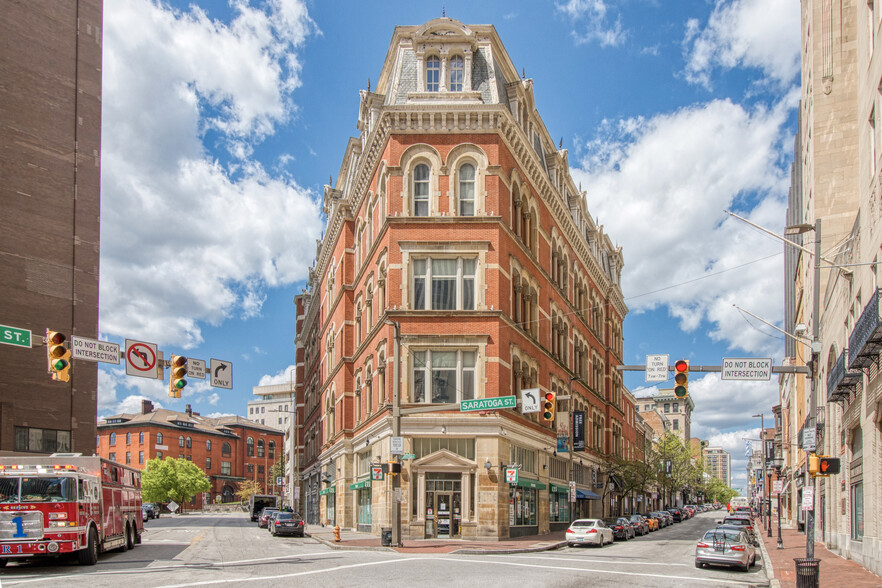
column 457, row 73
column 433, row 74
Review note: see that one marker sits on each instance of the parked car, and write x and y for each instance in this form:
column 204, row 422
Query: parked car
column 661, row 517
column 669, row 518
column 151, row 510
column 641, row 527
column 653, row 522
column 271, row 518
column 143, row 513
column 740, row 522
column 621, row 527
column 691, row 509
column 729, row 547
column 589, row 532
column 264, row 516
column 744, row 510
column 287, row 523
column 677, row 515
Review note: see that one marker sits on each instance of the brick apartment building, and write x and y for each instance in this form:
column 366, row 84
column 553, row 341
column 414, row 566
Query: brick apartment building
column 454, row 215
column 50, row 129
column 228, row 449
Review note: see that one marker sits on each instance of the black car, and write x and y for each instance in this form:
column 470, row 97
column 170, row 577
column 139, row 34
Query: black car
column 150, row 510
column 287, row 523
column 677, row 514
column 621, row 527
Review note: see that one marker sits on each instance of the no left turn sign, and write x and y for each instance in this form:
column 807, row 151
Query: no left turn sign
column 141, row 359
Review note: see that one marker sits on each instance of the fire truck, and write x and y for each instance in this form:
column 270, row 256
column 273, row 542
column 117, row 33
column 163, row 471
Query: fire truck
column 66, row 503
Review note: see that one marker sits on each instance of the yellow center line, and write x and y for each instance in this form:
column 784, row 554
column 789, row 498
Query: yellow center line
column 199, row 537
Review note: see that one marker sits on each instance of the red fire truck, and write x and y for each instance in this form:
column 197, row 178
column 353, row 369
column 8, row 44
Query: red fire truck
column 66, row 503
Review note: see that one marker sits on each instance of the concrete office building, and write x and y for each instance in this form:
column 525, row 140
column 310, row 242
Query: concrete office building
column 717, row 462
column 50, row 129
column 454, row 215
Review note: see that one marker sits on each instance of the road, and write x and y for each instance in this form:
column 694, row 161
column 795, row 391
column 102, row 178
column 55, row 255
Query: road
column 214, row 550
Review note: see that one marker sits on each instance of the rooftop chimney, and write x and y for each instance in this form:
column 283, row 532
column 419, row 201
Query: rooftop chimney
column 189, row 410
column 146, row 407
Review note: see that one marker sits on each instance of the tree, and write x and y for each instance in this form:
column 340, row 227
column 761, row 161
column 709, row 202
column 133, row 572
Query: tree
column 247, row 489
column 277, row 470
column 164, row 480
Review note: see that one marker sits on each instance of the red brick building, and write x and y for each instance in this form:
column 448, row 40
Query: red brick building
column 455, row 216
column 228, row 449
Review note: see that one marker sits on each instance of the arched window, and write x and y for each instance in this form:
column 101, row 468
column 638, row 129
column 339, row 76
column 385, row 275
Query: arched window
column 457, row 69
column 181, row 441
column 189, row 443
column 421, row 190
column 433, row 74
column 272, row 449
column 260, row 450
column 467, row 190
column 159, row 438
column 128, row 438
column 141, row 437
column 225, row 450
column 113, row 438
column 249, row 447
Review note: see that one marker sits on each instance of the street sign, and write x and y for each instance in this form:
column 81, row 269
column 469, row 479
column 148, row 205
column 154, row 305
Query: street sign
column 172, row 506
column 15, row 336
column 94, row 350
column 808, row 498
column 408, row 456
column 529, row 400
column 809, row 439
column 396, row 445
column 656, row 368
column 141, row 359
column 746, row 368
column 280, row 481
column 222, row 374
column 195, row 368
column 511, row 475
column 488, row 403
column 777, row 486
column 376, row 472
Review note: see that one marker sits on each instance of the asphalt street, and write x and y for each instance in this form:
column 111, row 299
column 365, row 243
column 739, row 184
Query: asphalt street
column 207, row 550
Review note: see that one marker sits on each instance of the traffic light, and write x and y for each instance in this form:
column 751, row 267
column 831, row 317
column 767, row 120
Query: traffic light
column 827, row 465
column 814, row 465
column 681, row 378
column 57, row 356
column 176, row 381
column 549, row 405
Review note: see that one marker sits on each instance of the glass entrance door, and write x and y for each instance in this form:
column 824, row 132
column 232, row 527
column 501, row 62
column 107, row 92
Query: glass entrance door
column 443, row 505
column 443, row 508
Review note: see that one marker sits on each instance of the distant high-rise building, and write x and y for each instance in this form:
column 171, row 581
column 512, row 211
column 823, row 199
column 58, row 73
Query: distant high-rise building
column 717, row 462
column 50, row 162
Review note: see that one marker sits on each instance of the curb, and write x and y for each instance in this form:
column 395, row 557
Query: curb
column 464, row 551
column 768, row 568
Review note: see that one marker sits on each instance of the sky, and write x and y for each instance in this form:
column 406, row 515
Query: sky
column 223, row 120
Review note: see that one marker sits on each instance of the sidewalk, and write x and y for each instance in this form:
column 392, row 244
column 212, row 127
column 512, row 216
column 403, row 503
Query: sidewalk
column 355, row 540
column 835, row 571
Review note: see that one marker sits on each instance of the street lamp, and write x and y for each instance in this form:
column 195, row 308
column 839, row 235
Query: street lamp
column 778, row 463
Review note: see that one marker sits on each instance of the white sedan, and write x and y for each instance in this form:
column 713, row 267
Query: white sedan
column 589, row 532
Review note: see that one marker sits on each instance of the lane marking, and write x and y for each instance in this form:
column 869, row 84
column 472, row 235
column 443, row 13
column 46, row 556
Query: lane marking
column 618, row 561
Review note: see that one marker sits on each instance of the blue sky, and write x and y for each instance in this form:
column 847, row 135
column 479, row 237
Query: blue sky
column 223, row 120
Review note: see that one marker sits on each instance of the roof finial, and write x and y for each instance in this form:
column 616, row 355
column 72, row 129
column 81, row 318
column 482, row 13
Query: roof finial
column 523, row 73
column 331, row 181
column 443, row 12
column 369, row 84
column 560, row 145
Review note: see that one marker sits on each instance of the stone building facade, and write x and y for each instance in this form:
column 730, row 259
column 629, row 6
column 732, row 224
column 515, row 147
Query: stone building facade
column 836, row 181
column 228, row 449
column 50, row 129
column 455, row 218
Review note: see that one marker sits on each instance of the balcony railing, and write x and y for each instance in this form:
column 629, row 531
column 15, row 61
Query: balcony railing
column 865, row 341
column 841, row 381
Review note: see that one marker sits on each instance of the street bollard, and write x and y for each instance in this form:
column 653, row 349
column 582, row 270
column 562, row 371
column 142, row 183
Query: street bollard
column 337, row 533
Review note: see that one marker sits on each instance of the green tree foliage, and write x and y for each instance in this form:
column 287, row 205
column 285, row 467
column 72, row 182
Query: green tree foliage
column 164, row 480
column 277, row 470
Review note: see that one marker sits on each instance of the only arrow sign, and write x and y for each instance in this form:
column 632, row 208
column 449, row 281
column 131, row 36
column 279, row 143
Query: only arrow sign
column 220, row 367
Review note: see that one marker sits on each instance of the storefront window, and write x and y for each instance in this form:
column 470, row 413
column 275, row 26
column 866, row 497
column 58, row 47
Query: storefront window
column 857, row 511
column 559, row 507
column 364, row 506
column 522, row 506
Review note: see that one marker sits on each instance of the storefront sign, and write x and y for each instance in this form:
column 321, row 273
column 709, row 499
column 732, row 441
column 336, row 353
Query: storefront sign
column 331, row 490
column 357, row 485
column 511, row 476
column 579, row 430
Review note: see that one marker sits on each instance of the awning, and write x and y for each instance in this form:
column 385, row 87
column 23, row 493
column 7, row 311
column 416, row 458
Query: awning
column 360, row 485
column 329, row 490
column 558, row 488
column 528, row 483
column 586, row 495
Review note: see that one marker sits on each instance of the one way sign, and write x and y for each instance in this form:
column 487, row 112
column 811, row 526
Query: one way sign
column 529, row 400
column 222, row 374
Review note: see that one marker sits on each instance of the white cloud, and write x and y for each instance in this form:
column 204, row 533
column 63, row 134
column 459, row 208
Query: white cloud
column 185, row 238
column 284, row 376
column 762, row 34
column 660, row 187
column 598, row 25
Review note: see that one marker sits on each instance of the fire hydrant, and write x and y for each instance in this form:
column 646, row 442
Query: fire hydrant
column 337, row 533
